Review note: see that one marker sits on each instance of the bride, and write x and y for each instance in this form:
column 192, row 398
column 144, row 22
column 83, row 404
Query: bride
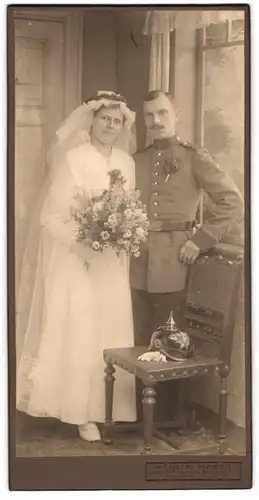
column 69, row 313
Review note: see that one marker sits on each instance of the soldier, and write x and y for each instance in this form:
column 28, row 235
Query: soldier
column 170, row 175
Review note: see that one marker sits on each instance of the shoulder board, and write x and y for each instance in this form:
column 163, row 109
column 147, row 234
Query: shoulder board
column 196, row 147
column 187, row 144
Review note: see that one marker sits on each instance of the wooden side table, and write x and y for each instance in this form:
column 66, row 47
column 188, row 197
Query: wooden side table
column 152, row 373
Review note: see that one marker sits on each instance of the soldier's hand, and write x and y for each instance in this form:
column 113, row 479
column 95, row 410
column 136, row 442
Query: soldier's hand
column 189, row 253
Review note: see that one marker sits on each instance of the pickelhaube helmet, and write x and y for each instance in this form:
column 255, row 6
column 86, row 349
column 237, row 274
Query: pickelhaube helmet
column 175, row 344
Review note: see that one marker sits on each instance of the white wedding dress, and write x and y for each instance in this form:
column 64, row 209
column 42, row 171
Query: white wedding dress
column 78, row 312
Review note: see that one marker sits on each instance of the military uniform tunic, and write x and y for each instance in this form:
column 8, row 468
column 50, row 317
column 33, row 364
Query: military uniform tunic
column 171, row 175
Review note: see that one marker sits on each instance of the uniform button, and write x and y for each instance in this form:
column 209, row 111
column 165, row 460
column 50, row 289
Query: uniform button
column 155, row 194
column 157, row 164
column 155, row 183
column 155, row 173
column 155, row 215
column 155, row 203
column 159, row 153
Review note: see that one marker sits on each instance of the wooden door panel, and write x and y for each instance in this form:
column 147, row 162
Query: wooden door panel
column 48, row 59
column 39, row 91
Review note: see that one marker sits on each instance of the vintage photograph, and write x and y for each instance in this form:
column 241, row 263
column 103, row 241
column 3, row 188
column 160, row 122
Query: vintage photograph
column 130, row 156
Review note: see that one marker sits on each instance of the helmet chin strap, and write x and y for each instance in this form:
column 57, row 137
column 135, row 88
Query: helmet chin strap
column 170, row 356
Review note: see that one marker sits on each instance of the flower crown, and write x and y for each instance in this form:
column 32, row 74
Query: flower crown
column 107, row 94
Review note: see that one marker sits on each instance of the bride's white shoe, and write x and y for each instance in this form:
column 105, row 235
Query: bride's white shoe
column 89, row 432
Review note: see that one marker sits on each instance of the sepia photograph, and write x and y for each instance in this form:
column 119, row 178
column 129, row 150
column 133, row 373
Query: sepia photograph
column 129, row 251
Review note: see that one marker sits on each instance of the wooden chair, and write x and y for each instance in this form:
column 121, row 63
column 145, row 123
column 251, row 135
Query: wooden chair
column 209, row 318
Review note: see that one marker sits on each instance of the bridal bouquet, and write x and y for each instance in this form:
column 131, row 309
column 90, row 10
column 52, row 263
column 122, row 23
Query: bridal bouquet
column 115, row 219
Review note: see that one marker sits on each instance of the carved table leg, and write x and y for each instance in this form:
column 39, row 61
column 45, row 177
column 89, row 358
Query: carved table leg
column 223, row 395
column 109, row 382
column 148, row 402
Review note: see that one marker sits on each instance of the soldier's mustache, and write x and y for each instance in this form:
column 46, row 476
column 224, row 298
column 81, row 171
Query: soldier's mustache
column 157, row 127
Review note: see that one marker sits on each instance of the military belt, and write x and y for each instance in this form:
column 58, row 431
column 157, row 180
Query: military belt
column 167, row 226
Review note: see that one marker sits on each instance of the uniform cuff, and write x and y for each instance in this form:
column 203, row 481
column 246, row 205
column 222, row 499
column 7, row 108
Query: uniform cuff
column 203, row 240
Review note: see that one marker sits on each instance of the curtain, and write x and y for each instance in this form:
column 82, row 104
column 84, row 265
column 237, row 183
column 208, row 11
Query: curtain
column 159, row 23
column 159, row 62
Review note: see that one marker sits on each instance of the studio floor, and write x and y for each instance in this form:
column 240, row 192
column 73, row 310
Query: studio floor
column 50, row 438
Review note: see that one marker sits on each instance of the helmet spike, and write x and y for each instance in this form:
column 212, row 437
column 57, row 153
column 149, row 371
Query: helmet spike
column 170, row 324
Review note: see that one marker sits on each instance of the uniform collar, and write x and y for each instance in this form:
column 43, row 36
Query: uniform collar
column 166, row 143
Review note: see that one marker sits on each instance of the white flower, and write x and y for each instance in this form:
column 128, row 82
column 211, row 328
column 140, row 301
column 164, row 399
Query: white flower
column 140, row 215
column 127, row 234
column 136, row 254
column 138, row 212
column 128, row 213
column 112, row 220
column 140, row 232
column 105, row 235
column 96, row 245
